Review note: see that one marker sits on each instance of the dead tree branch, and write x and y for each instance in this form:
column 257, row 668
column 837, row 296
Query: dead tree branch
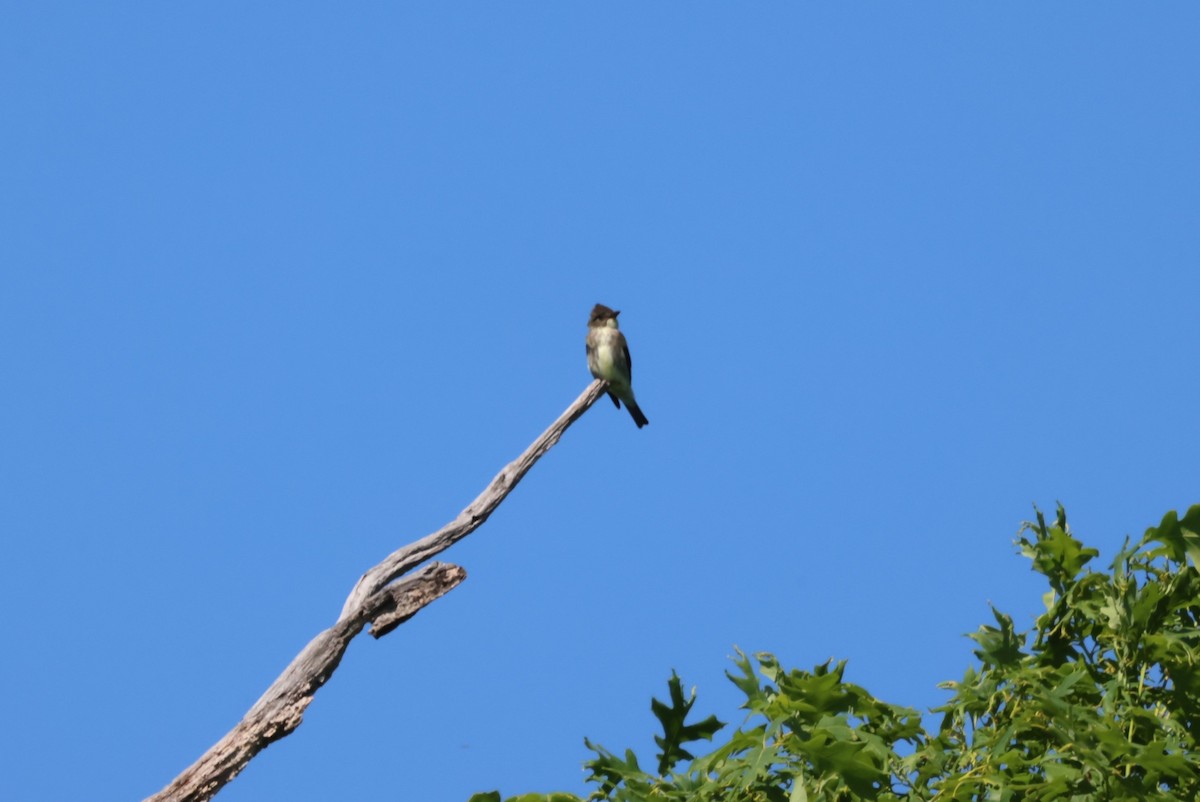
column 381, row 599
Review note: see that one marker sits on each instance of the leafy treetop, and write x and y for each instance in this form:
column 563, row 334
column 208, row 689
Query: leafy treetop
column 1100, row 701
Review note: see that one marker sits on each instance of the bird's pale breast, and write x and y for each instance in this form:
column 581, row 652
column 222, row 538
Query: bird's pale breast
column 607, row 359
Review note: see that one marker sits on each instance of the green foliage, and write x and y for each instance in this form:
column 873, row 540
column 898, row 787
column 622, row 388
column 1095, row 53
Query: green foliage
column 1101, row 701
column 675, row 731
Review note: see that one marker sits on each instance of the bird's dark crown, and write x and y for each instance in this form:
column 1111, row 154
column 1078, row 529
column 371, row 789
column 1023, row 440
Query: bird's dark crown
column 601, row 313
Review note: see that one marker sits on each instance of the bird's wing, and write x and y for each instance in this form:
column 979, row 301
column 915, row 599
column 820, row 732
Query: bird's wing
column 628, row 358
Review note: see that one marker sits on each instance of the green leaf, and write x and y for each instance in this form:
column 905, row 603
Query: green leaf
column 610, row 771
column 809, row 696
column 798, row 793
column 747, row 682
column 846, row 760
column 675, row 731
column 759, row 751
column 998, row 646
column 1179, row 538
column 1055, row 553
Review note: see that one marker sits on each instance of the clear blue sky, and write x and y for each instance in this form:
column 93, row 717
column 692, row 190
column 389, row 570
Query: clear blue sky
column 284, row 286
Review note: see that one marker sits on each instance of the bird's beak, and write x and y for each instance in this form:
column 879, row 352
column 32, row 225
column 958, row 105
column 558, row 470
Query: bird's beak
column 616, row 313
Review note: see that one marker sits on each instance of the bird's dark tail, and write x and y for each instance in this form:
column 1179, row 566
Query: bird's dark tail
column 635, row 412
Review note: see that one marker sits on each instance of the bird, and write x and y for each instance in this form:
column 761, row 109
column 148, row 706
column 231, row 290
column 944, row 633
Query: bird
column 608, row 359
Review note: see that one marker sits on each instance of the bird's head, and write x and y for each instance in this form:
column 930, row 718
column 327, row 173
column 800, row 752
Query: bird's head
column 603, row 316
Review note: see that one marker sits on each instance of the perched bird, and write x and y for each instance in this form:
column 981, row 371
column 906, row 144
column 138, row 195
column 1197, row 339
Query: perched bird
column 608, row 359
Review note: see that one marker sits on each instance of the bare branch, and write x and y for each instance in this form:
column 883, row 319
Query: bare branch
column 380, row 599
column 470, row 519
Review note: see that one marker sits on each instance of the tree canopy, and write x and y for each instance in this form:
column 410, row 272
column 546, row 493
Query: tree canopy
column 1099, row 701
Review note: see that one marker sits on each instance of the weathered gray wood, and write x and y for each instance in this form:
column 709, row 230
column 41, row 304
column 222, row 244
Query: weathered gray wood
column 379, row 598
column 470, row 519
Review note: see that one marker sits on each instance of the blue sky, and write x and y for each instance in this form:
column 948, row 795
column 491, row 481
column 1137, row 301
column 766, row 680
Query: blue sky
column 285, row 286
